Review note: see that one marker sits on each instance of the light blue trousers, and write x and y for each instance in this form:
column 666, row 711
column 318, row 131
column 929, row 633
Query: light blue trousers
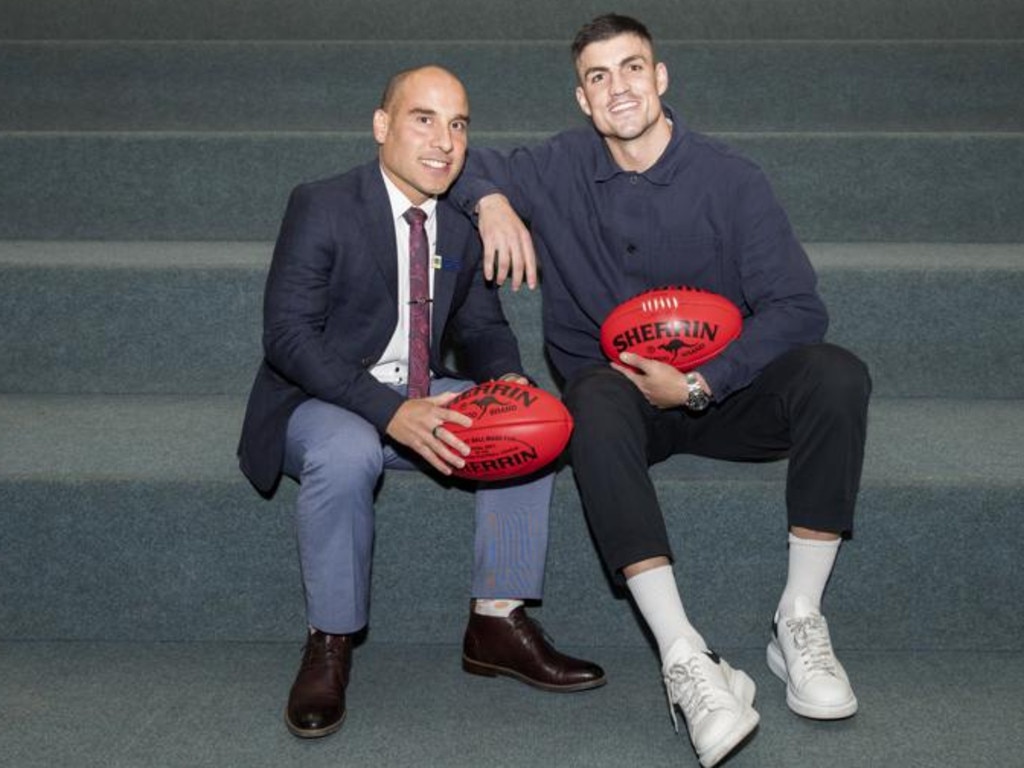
column 337, row 458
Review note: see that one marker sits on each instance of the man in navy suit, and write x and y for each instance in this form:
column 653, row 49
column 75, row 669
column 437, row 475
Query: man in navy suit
column 330, row 406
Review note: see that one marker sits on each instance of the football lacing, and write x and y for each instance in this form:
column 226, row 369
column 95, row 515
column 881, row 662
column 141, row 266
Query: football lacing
column 659, row 303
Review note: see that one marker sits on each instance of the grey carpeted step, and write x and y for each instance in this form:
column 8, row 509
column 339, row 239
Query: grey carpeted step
column 210, row 186
column 465, row 19
column 126, row 517
column 131, row 317
column 330, row 86
column 411, row 706
column 917, row 311
column 186, row 317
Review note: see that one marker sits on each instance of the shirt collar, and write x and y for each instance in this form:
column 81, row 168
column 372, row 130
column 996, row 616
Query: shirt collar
column 400, row 203
column 663, row 170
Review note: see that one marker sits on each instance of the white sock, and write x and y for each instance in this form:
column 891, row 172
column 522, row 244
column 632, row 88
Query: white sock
column 502, row 607
column 657, row 598
column 810, row 565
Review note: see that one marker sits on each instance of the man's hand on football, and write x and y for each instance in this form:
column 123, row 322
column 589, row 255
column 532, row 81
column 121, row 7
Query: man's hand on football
column 419, row 424
column 662, row 385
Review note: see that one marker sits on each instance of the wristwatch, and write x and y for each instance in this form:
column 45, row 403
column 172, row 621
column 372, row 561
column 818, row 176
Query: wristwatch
column 696, row 398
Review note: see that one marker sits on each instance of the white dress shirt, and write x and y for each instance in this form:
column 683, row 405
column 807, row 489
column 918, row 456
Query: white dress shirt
column 393, row 366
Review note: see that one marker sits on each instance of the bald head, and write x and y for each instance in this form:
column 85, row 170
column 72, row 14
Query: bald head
column 421, row 131
column 399, row 80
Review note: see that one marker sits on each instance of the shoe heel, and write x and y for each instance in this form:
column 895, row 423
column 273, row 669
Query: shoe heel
column 476, row 668
column 776, row 662
column 744, row 688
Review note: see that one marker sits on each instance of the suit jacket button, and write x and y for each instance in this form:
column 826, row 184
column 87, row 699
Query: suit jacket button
column 366, row 362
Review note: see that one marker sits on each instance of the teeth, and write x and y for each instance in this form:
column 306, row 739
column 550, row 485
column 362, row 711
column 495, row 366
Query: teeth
column 436, row 164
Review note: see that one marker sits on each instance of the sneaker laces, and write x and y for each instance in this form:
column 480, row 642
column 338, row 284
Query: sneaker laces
column 810, row 636
column 687, row 685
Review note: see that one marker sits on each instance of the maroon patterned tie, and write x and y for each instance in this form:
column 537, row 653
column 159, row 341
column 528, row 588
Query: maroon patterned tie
column 419, row 305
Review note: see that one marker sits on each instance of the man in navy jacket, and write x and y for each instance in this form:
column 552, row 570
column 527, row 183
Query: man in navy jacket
column 330, row 406
column 636, row 201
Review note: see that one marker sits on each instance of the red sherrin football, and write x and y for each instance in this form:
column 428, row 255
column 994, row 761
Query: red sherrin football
column 684, row 327
column 517, row 429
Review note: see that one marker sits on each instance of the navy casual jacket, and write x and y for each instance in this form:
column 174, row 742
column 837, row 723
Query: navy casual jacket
column 702, row 216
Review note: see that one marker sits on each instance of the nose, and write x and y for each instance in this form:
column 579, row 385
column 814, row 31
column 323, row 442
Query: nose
column 443, row 138
column 619, row 84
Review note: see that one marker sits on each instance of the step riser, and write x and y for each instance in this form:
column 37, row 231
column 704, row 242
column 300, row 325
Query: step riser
column 122, row 86
column 231, row 187
column 531, row 19
column 126, row 331
column 214, row 562
column 197, row 330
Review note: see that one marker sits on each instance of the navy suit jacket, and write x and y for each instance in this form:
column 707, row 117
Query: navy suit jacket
column 331, row 307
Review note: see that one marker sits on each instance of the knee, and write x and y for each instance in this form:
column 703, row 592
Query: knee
column 606, row 408
column 343, row 462
column 836, row 375
column 597, row 393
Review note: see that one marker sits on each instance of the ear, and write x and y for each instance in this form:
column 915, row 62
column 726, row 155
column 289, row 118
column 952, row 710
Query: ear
column 581, row 99
column 661, row 77
column 380, row 125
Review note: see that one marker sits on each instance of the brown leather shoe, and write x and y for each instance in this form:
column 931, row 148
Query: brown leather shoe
column 516, row 647
column 316, row 704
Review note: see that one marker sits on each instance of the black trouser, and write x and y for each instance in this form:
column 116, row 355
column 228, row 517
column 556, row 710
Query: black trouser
column 809, row 405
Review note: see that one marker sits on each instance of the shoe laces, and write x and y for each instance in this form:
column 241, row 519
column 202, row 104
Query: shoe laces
column 811, row 638
column 315, row 654
column 535, row 623
column 687, row 685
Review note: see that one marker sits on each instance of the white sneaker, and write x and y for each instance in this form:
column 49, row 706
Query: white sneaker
column 715, row 699
column 800, row 654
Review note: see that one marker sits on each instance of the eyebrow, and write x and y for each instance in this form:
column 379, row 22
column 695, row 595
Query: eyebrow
column 635, row 57
column 433, row 113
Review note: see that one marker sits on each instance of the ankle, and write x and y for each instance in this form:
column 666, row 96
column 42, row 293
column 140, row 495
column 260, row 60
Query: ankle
column 500, row 608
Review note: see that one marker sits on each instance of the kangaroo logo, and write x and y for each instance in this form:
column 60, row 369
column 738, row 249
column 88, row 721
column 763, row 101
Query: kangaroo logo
column 673, row 347
column 485, row 402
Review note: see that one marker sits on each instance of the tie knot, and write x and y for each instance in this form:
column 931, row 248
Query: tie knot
column 415, row 216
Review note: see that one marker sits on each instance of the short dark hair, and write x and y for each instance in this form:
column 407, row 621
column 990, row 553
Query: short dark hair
column 606, row 27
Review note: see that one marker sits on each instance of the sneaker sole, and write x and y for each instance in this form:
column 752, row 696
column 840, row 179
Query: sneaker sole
column 777, row 664
column 744, row 689
column 744, row 727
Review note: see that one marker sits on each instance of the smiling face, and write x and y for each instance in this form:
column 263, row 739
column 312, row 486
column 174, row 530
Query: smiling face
column 421, row 132
column 620, row 88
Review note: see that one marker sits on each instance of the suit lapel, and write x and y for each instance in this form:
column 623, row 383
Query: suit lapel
column 380, row 227
column 449, row 249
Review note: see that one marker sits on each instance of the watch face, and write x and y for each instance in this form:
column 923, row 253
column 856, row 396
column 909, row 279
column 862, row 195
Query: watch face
column 698, row 399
